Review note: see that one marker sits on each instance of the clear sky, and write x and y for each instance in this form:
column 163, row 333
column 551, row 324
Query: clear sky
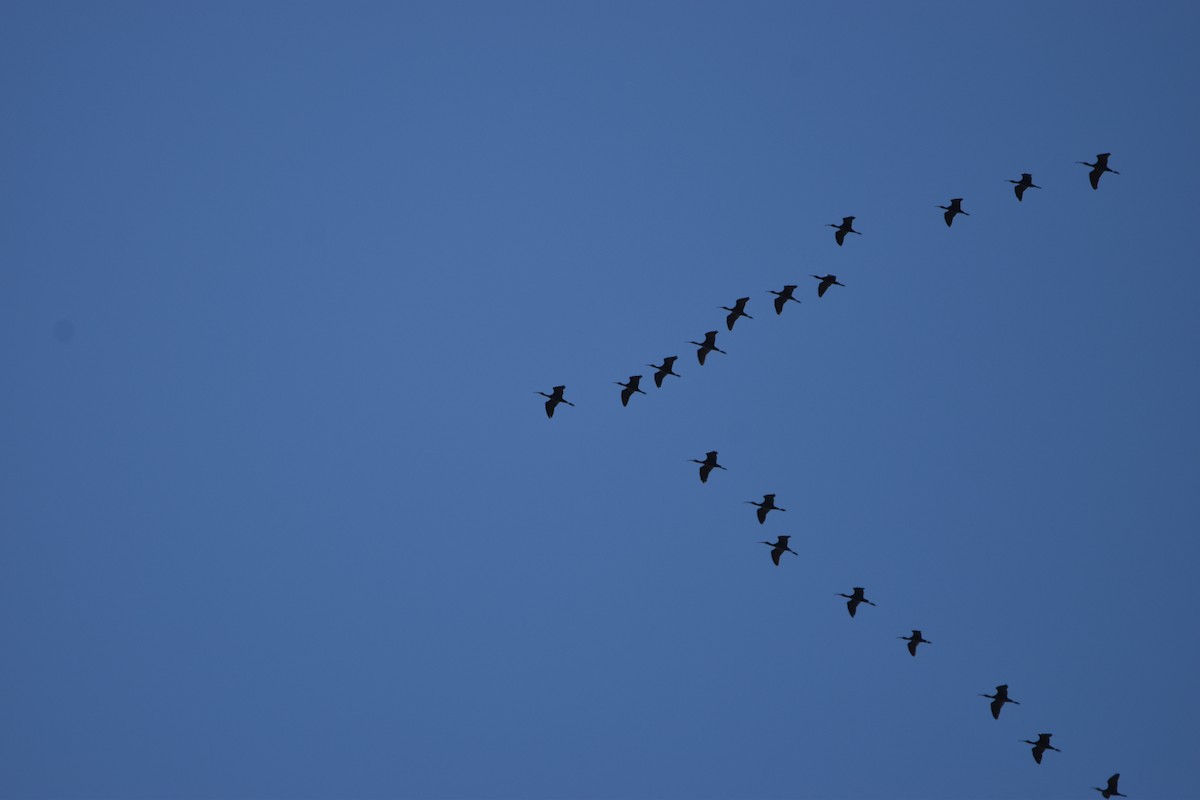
column 282, row 517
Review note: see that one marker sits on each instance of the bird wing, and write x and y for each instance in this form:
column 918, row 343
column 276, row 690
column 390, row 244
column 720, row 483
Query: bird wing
column 761, row 511
column 775, row 554
column 669, row 363
column 852, row 606
column 658, row 378
column 729, row 320
column 779, row 301
column 821, row 289
column 700, row 355
column 1094, row 177
column 949, row 216
column 1020, row 190
column 1037, row 753
column 626, row 393
column 704, row 470
column 550, row 404
column 840, row 235
column 912, row 647
column 997, row 704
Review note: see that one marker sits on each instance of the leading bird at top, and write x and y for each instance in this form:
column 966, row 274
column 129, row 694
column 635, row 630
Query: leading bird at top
column 1098, row 169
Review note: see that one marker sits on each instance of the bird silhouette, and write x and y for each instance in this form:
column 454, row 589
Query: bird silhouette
column 707, row 465
column 766, row 506
column 847, row 226
column 1041, row 746
column 855, row 599
column 913, row 641
column 630, row 388
column 999, row 699
column 826, row 282
column 1026, row 182
column 783, row 297
column 1111, row 789
column 707, row 346
column 556, row 397
column 955, row 207
column 738, row 310
column 1098, row 169
column 779, row 547
column 664, row 369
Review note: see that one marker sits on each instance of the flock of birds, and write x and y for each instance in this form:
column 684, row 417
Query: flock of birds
column 780, row 546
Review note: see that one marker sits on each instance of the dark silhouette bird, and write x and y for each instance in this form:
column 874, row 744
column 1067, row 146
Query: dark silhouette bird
column 1041, row 746
column 630, row 388
column 999, row 699
column 779, row 547
column 707, row 346
column 738, row 310
column 855, row 599
column 913, row 641
column 955, row 207
column 826, row 282
column 707, row 465
column 664, row 369
column 556, row 397
column 766, row 506
column 847, row 226
column 783, row 297
column 1026, row 182
column 1111, row 789
column 1098, row 169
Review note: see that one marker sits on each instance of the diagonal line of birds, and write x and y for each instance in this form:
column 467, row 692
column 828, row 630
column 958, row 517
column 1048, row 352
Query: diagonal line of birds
column 781, row 545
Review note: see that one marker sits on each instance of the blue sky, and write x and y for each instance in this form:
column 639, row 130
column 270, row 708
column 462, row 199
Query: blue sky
column 282, row 516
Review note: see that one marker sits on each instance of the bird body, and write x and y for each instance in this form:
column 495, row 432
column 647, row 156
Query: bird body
column 1098, row 169
column 766, row 506
column 955, row 207
column 783, row 297
column 779, row 547
column 1041, row 746
column 913, row 641
column 1111, row 789
column 738, row 310
column 856, row 598
column 707, row 465
column 664, row 369
column 556, row 397
column 1026, row 182
column 826, row 282
column 847, row 226
column 707, row 346
column 630, row 388
column 999, row 699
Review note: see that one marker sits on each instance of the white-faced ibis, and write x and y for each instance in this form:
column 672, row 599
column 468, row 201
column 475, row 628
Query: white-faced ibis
column 630, row 388
column 847, row 226
column 1041, row 746
column 1098, row 169
column 1026, row 182
column 999, row 699
column 1111, row 789
column 738, row 310
column 556, row 397
column 913, row 641
column 783, row 297
column 955, row 207
column 779, row 547
column 707, row 346
column 664, row 369
column 855, row 599
column 766, row 506
column 826, row 282
column 707, row 465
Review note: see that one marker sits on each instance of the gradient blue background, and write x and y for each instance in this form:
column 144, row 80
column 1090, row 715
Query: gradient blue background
column 282, row 517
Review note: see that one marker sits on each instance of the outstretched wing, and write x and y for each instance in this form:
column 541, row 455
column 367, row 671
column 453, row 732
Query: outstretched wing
column 840, row 235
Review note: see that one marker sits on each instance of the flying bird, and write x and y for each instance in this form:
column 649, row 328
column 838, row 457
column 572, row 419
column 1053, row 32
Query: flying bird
column 913, row 641
column 999, row 699
column 826, row 282
column 1026, row 182
column 1111, row 789
column 783, row 297
column 779, row 547
column 707, row 346
column 738, row 310
column 855, row 599
column 664, row 369
column 1041, row 746
column 707, row 465
column 630, row 388
column 1098, row 169
column 556, row 397
column 955, row 207
column 766, row 506
column 847, row 226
